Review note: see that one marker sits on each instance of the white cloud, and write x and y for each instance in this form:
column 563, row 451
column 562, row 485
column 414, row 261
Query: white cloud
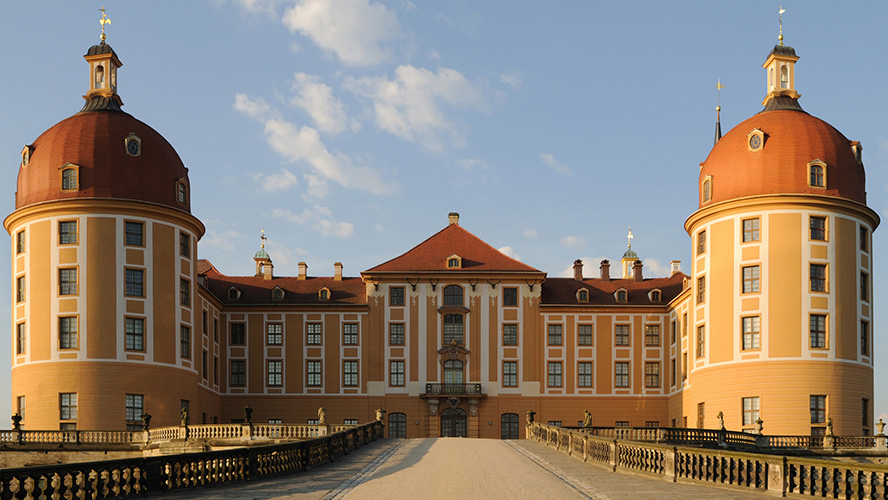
column 321, row 218
column 472, row 163
column 304, row 145
column 514, row 80
column 413, row 104
column 554, row 164
column 510, row 252
column 531, row 233
column 354, row 30
column 572, row 242
column 276, row 182
column 316, row 98
column 317, row 187
column 222, row 240
column 259, row 6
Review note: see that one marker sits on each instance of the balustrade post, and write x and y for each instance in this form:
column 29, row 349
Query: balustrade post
column 777, row 475
column 612, row 461
column 881, row 442
column 669, row 463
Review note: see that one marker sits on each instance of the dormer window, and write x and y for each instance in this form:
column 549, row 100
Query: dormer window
column 857, row 149
column 182, row 192
column 583, row 295
column 277, row 293
column 324, row 294
column 233, row 293
column 133, row 145
column 707, row 189
column 817, row 174
column 621, row 295
column 26, row 155
column 755, row 140
column 69, row 177
column 655, row 296
column 454, row 262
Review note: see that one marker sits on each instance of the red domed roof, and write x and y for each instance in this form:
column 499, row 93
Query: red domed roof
column 792, row 139
column 95, row 141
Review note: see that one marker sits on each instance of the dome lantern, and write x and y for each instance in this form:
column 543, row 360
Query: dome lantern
column 103, row 65
column 781, row 69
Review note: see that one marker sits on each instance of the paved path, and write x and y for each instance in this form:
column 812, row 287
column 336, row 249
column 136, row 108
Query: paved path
column 461, row 468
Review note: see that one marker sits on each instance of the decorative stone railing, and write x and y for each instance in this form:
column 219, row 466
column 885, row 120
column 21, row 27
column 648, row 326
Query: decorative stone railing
column 154, row 475
column 764, row 471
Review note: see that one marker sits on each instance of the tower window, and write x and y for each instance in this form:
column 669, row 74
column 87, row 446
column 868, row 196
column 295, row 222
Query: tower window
column 707, row 190
column 182, row 193
column 818, row 331
column 68, row 281
column 818, row 228
column 68, row 232
column 701, row 242
column 100, row 74
column 784, row 77
column 68, row 332
column 817, row 175
column 751, row 328
column 134, row 232
column 69, row 179
column 133, row 145
column 134, row 282
column 750, row 279
column 20, row 241
column 184, row 245
column 818, row 277
column 750, row 229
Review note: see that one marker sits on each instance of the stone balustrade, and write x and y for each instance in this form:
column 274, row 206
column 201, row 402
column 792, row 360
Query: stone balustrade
column 683, row 455
column 153, row 475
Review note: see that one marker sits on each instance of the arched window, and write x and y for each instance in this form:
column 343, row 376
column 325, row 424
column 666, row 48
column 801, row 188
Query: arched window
column 324, row 294
column 277, row 294
column 453, row 328
column 69, row 179
column 707, row 190
column 784, row 77
column 817, row 179
column 453, row 295
column 621, row 295
column 583, row 295
column 182, row 192
column 397, row 425
column 100, row 75
column 509, row 426
column 453, row 375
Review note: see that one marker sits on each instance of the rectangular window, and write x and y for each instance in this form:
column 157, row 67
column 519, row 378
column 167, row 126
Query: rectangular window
column 20, row 289
column 818, row 409
column 701, row 289
column 510, row 334
column 68, row 281
column 750, row 279
column 216, row 329
column 621, row 374
column 818, row 331
column 69, row 179
column 750, row 410
column 510, row 374
column 238, row 373
column 350, row 421
column 651, row 335
column 864, row 287
column 554, row 334
column 653, row 424
column 68, row 332
column 864, row 240
column 350, row 334
column 19, row 242
column 684, row 366
column 554, row 423
column 204, row 366
column 134, row 334
column 621, row 424
column 68, row 406
column 20, row 406
column 184, row 292
column 554, row 373
column 350, row 373
column 184, row 245
column 203, row 323
column 751, row 326
column 652, row 374
column 314, row 374
column 313, row 333
column 818, row 228
column 818, row 277
column 750, row 230
column 274, row 333
column 684, row 326
column 864, row 408
column 674, row 332
column 672, row 371
column 396, row 373
column 238, row 334
column 396, row 296
column 20, row 338
column 864, row 337
column 621, row 335
column 396, row 334
column 701, row 413
column 701, row 341
column 584, row 374
column 68, row 232
column 135, row 279
column 701, row 242
column 510, row 297
column 584, row 335
column 185, row 341
column 276, row 373
column 215, row 369
column 135, row 407
column 134, row 233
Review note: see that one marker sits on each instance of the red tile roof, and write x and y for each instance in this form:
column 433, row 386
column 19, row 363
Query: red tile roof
column 564, row 290
column 256, row 290
column 431, row 255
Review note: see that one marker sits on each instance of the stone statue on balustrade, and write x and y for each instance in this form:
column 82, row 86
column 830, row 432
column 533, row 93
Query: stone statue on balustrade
column 721, row 420
column 248, row 414
column 322, row 416
column 184, row 417
column 587, row 418
column 146, row 421
column 16, row 422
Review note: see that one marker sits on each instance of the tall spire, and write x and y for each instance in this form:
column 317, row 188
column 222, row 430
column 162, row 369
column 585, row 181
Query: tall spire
column 103, row 21
column 780, row 20
column 718, row 127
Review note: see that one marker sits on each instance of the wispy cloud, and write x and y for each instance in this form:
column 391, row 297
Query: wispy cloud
column 531, row 234
column 514, row 80
column 321, row 218
column 354, row 30
column 573, row 242
column 280, row 181
column 316, row 98
column 472, row 164
column 551, row 162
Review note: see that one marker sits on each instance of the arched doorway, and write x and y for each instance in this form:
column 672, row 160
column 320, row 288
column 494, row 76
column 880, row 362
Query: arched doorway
column 453, row 423
column 509, row 426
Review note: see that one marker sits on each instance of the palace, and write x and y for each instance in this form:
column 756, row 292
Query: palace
column 114, row 315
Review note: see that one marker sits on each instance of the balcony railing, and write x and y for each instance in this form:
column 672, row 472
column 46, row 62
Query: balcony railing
column 453, row 389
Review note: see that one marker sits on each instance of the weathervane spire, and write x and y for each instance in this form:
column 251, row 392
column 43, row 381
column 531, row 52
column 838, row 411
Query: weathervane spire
column 718, row 108
column 103, row 21
column 263, row 238
column 780, row 18
column 630, row 237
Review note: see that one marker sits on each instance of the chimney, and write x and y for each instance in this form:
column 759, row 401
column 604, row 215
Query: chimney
column 453, row 218
column 636, row 270
column 578, row 270
column 303, row 270
column 676, row 267
column 337, row 271
column 605, row 270
column 268, row 270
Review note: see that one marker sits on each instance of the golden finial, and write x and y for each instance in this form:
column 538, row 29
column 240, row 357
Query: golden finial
column 630, row 237
column 718, row 87
column 103, row 21
column 780, row 16
column 263, row 238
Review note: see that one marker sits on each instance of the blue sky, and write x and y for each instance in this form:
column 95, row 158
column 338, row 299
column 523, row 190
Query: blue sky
column 348, row 134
